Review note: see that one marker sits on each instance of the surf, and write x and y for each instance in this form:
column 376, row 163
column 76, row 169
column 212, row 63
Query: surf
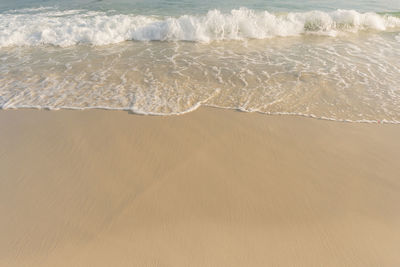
column 48, row 26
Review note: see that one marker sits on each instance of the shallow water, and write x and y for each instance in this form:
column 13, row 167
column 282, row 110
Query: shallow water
column 170, row 57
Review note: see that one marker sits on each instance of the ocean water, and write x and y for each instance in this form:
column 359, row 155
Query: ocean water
column 337, row 60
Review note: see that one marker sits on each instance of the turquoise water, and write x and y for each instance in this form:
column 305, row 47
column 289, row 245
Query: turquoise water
column 337, row 60
column 176, row 7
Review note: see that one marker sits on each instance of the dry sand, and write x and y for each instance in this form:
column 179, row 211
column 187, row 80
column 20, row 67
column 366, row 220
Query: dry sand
column 210, row 188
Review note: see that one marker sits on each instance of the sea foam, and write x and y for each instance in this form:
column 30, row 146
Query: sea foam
column 66, row 28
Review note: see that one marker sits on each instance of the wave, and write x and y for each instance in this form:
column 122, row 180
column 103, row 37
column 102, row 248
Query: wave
column 71, row 27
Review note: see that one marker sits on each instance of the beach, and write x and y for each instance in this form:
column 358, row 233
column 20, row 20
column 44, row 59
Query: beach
column 212, row 187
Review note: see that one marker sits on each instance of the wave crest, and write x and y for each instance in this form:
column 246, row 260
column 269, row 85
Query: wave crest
column 66, row 28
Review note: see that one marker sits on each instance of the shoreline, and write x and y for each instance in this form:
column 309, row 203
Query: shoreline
column 201, row 106
column 213, row 187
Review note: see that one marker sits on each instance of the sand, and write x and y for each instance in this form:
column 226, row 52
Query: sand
column 210, row 188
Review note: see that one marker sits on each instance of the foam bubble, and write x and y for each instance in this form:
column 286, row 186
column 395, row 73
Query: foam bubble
column 66, row 28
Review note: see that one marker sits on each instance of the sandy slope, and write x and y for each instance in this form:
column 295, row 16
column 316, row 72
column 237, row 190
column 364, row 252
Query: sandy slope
column 210, row 188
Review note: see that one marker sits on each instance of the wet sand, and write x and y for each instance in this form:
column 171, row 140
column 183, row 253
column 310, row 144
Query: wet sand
column 209, row 188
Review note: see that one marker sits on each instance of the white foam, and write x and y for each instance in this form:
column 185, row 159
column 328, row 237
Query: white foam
column 66, row 28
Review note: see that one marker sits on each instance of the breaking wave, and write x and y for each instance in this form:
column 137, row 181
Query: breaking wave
column 48, row 26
